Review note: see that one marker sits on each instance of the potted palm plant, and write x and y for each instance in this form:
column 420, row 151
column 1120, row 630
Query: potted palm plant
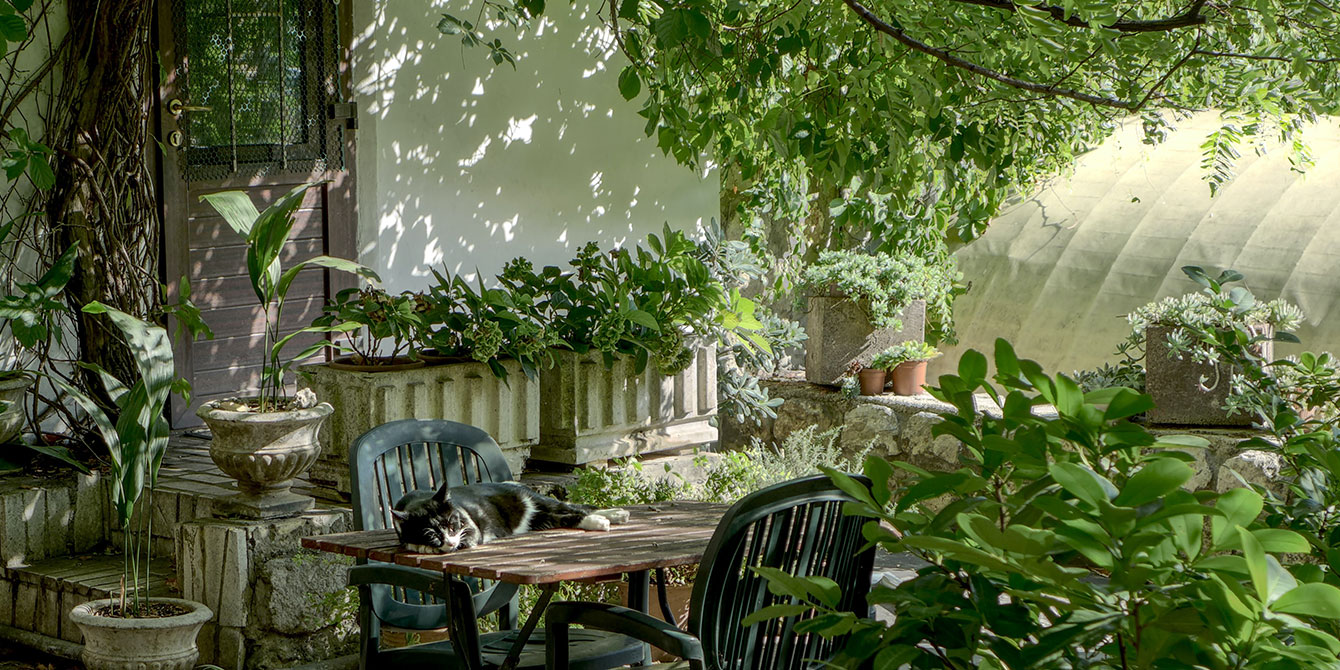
column 134, row 630
column 267, row 440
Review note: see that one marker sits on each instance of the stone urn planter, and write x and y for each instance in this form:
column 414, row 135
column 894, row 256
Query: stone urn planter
column 840, row 332
column 12, row 390
column 264, row 452
column 464, row 391
column 115, row 643
column 1179, row 398
column 590, row 413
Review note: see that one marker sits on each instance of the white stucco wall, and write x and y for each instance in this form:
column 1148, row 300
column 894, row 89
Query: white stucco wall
column 464, row 165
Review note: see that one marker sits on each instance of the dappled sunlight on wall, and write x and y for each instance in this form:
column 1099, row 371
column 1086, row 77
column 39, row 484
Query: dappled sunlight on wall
column 463, row 165
column 1056, row 272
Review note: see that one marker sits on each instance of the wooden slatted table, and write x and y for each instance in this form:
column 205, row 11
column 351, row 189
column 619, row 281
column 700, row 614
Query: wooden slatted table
column 656, row 536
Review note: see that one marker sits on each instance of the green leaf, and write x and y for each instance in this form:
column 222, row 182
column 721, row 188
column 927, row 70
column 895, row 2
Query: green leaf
column 644, row 319
column 1240, row 508
column 236, row 209
column 40, row 172
column 972, row 367
column 1126, row 403
column 1082, row 482
column 1312, row 600
column 1281, row 541
column 630, row 84
column 774, row 612
column 13, row 28
column 1154, row 481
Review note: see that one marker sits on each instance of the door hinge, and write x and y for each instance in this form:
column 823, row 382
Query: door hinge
column 346, row 112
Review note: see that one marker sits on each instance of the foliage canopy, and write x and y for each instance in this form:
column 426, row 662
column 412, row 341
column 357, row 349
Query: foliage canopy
column 913, row 121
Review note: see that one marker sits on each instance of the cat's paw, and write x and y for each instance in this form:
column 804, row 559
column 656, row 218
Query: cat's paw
column 614, row 514
column 594, row 522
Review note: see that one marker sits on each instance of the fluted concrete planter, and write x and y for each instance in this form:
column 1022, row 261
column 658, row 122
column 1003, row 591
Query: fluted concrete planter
column 12, row 390
column 1175, row 385
column 460, row 391
column 166, row 643
column 264, row 452
column 839, row 332
column 594, row 414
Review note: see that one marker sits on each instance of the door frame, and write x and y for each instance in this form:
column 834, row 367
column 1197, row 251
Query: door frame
column 339, row 196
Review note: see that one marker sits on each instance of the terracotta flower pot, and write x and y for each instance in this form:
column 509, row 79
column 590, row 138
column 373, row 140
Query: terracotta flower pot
column 872, row 381
column 361, row 365
column 116, row 643
column 909, row 378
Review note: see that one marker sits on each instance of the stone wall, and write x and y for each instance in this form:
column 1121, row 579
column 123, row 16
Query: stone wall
column 47, row 518
column 275, row 605
column 899, row 428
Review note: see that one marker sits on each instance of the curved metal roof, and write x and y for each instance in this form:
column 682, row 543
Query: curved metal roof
column 1056, row 273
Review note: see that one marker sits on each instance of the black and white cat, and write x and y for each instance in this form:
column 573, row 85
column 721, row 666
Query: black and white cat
column 465, row 516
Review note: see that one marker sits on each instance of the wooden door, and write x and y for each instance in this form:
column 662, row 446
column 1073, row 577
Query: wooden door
column 254, row 98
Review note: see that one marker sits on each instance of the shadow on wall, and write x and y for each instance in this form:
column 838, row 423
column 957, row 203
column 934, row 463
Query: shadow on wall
column 464, row 165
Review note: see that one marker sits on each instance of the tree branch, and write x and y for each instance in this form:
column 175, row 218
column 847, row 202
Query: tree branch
column 1191, row 17
column 951, row 59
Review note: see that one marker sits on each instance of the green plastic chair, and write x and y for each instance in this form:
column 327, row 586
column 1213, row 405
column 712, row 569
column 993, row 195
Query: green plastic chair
column 393, row 459
column 796, row 526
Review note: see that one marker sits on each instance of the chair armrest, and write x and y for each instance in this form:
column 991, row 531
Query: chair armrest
column 389, row 574
column 630, row 622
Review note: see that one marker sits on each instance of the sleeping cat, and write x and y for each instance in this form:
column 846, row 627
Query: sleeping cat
column 465, row 516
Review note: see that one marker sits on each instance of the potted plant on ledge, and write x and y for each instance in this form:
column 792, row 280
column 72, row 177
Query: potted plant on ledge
column 267, row 440
column 384, row 327
column 134, row 630
column 906, row 365
column 860, row 304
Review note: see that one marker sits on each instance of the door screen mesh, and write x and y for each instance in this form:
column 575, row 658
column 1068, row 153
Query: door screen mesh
column 257, row 79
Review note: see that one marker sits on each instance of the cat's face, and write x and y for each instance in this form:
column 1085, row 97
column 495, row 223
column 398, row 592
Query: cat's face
column 432, row 525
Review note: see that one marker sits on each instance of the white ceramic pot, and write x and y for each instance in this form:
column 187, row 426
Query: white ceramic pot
column 114, row 643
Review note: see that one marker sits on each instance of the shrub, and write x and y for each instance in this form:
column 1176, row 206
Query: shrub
column 1069, row 542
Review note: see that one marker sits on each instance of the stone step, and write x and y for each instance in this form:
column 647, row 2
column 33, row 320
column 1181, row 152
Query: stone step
column 39, row 597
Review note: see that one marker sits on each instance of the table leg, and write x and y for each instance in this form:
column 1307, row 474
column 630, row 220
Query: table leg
column 523, row 635
column 639, row 598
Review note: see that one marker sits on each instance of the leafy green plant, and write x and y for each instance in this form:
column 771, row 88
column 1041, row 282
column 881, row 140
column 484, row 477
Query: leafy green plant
column 266, row 233
column 1070, row 542
column 801, row 453
column 136, row 440
column 884, row 284
column 513, row 320
column 380, row 318
column 903, row 352
column 31, row 313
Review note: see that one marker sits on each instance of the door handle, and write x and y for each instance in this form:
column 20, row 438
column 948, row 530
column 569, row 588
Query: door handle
column 176, row 107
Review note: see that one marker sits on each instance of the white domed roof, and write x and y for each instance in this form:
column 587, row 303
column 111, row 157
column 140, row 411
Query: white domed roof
column 1056, row 273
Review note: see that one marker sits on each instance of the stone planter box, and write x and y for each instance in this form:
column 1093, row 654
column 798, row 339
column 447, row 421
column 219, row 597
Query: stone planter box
column 1175, row 386
column 466, row 392
column 839, row 332
column 594, row 414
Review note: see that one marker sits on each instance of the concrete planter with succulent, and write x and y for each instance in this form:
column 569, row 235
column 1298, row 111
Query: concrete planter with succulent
column 905, row 363
column 267, row 440
column 133, row 630
column 1184, row 373
column 859, row 304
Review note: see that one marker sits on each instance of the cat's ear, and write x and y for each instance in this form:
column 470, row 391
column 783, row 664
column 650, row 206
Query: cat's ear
column 399, row 515
column 443, row 495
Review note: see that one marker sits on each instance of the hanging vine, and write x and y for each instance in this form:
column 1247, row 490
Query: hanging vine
column 76, row 111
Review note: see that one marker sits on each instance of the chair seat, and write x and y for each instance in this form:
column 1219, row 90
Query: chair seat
column 591, row 650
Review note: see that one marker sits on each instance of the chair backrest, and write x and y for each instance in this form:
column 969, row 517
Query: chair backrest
column 798, row 527
column 395, row 458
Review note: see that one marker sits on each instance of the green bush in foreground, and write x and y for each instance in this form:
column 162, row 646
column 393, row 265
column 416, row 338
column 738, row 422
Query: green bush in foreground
column 1069, row 542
